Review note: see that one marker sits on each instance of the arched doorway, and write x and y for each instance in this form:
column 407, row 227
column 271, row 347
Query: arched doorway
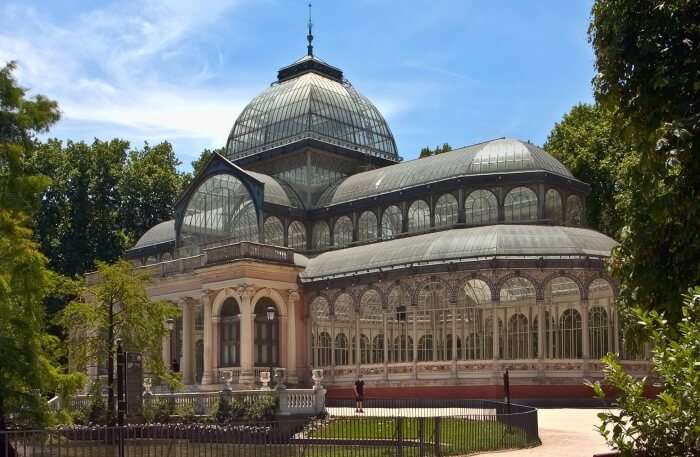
column 266, row 336
column 199, row 361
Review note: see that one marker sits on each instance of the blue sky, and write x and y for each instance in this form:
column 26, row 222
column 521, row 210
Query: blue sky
column 455, row 71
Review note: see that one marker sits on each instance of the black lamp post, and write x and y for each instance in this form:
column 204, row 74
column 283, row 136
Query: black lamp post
column 171, row 326
column 270, row 318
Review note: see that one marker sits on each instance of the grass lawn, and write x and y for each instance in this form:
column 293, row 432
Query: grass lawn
column 457, row 435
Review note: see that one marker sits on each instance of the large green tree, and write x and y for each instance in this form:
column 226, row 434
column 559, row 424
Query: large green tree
column 586, row 142
column 27, row 369
column 116, row 306
column 648, row 63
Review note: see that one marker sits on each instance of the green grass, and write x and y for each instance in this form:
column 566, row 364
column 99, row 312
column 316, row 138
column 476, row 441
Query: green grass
column 457, row 435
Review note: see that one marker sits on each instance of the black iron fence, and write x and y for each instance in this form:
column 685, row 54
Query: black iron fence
column 398, row 428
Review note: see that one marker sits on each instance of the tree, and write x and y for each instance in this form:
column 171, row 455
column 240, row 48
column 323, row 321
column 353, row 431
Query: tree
column 427, row 152
column 648, row 63
column 117, row 306
column 668, row 424
column 199, row 163
column 28, row 371
column 586, row 142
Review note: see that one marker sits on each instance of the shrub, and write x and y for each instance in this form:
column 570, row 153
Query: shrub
column 255, row 408
column 158, row 410
column 668, row 424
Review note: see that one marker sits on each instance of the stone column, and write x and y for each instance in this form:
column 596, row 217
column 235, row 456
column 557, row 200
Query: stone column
column 247, row 337
column 216, row 348
column 282, row 343
column 166, row 349
column 292, row 357
column 187, row 343
column 208, row 375
column 585, row 336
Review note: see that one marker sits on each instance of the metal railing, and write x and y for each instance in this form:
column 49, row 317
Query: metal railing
column 386, row 428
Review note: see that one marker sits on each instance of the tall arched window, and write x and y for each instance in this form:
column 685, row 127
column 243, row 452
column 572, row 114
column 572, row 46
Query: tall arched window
column 520, row 204
column 342, row 232
column 266, row 336
column 434, row 314
column 418, row 216
column 296, row 236
column 446, row 211
column 598, row 332
column 561, row 294
column 364, row 350
column 378, row 349
column 371, row 318
column 321, row 343
column 391, row 222
column 221, row 210
column 274, row 231
column 399, row 326
column 425, row 348
column 570, row 335
column 574, row 210
column 477, row 295
column 518, row 334
column 367, row 226
column 324, row 350
column 553, row 207
column 321, row 235
column 458, row 344
column 341, row 349
column 403, row 349
column 230, row 335
column 481, row 208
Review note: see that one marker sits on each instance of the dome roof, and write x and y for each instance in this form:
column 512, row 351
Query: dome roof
column 311, row 100
column 496, row 156
column 159, row 233
column 461, row 245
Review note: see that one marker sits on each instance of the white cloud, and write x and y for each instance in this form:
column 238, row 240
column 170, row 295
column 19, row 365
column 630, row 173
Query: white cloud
column 109, row 66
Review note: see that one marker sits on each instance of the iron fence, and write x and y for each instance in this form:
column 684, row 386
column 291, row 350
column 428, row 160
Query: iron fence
column 402, row 429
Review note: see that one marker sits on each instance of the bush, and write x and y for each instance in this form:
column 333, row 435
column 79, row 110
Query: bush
column 186, row 414
column 668, row 424
column 95, row 412
column 255, row 408
column 158, row 410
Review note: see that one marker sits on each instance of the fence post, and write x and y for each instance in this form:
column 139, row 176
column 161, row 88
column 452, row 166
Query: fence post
column 399, row 436
column 421, row 436
column 438, row 446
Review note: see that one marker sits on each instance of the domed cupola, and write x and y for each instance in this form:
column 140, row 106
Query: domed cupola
column 312, row 101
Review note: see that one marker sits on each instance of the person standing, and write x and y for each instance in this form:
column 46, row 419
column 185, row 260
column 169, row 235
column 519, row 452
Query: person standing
column 359, row 389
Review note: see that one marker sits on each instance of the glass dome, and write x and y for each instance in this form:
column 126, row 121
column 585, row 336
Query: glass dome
column 311, row 105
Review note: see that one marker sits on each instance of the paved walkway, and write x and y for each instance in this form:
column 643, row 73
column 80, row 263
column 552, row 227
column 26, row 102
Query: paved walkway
column 564, row 432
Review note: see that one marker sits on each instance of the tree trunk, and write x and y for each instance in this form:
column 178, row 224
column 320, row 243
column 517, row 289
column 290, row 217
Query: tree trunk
column 6, row 448
column 110, row 365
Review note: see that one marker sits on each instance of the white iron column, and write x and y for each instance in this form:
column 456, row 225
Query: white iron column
column 494, row 330
column 540, row 329
column 187, row 346
column 585, row 336
column 208, row 375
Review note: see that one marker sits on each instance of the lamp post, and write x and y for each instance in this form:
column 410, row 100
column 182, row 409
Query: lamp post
column 270, row 319
column 171, row 326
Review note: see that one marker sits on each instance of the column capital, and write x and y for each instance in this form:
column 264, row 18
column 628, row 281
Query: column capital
column 207, row 296
column 246, row 291
column 293, row 296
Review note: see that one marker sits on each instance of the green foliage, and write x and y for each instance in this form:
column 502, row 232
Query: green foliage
column 648, row 63
column 427, row 152
column 186, row 413
column 158, row 410
column 117, row 307
column 253, row 408
column 588, row 145
column 669, row 424
column 29, row 372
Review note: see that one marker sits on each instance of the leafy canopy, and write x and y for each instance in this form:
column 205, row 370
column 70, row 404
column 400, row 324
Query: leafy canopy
column 648, row 62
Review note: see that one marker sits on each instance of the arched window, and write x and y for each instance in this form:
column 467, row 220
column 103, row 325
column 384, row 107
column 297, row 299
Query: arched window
column 434, row 314
column 458, row 354
column 391, row 222
column 378, row 349
column 274, row 231
column 518, row 337
column 296, row 236
column 446, row 211
column 598, row 332
column 477, row 298
column 321, row 235
column 364, row 350
column 324, row 350
column 574, row 210
column 341, row 349
column 221, row 210
column 367, row 226
column 403, row 349
column 518, row 291
column 371, row 318
column 570, row 335
column 266, row 336
column 418, row 216
column 553, row 207
column 520, row 204
column 342, row 232
column 477, row 292
column 481, row 208
column 230, row 335
column 560, row 294
column 425, row 348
